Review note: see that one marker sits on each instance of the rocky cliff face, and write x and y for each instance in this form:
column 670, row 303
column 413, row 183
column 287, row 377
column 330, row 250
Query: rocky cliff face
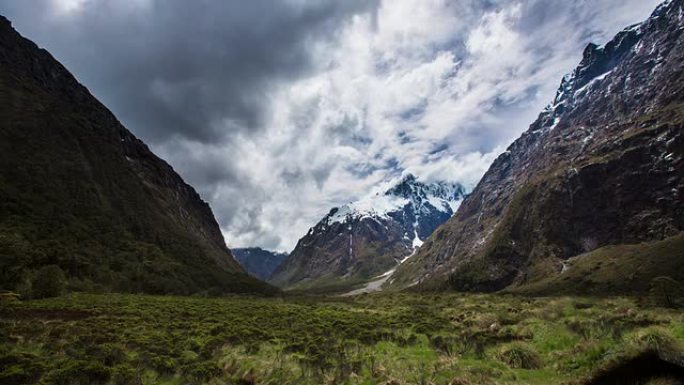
column 602, row 165
column 258, row 262
column 79, row 190
column 363, row 239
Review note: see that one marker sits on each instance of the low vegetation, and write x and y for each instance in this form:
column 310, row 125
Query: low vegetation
column 369, row 339
column 653, row 267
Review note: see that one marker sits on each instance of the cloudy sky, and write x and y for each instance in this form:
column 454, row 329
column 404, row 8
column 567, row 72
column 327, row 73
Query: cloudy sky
column 278, row 110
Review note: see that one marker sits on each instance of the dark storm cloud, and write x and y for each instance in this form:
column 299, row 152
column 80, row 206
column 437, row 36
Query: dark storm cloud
column 200, row 70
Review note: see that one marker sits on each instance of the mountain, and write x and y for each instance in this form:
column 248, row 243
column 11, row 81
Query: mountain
column 360, row 240
column 79, row 191
column 594, row 185
column 258, row 262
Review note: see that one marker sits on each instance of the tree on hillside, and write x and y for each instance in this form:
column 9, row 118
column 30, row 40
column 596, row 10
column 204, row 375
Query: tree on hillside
column 50, row 281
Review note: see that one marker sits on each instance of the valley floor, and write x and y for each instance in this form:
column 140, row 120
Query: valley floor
column 367, row 339
column 376, row 283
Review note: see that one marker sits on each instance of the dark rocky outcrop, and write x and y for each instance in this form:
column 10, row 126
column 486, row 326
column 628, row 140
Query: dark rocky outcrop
column 649, row 367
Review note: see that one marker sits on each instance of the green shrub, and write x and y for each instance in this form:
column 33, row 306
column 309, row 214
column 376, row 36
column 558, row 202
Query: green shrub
column 79, row 372
column 446, row 345
column 666, row 292
column 50, row 281
column 519, row 355
column 19, row 368
column 655, row 338
column 124, row 375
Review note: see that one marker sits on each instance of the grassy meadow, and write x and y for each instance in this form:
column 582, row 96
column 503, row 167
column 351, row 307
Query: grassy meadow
column 391, row 339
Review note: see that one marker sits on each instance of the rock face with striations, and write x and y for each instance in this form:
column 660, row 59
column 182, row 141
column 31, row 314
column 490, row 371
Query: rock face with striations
column 78, row 190
column 601, row 166
column 363, row 239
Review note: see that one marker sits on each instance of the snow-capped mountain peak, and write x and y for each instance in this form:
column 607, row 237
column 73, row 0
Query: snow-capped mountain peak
column 409, row 193
column 372, row 235
column 443, row 196
column 598, row 62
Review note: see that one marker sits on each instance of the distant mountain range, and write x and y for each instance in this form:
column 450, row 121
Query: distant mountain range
column 79, row 191
column 356, row 242
column 258, row 262
column 591, row 198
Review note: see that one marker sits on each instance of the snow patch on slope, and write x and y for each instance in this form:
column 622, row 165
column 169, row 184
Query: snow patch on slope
column 417, row 242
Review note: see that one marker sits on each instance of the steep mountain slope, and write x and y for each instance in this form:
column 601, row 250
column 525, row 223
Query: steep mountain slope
column 80, row 191
column 602, row 165
column 258, row 262
column 360, row 240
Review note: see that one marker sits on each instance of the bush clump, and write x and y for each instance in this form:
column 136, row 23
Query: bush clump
column 666, row 292
column 50, row 281
column 519, row 355
column 657, row 339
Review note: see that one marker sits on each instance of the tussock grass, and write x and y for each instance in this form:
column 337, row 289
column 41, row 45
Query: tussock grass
column 370, row 339
column 519, row 355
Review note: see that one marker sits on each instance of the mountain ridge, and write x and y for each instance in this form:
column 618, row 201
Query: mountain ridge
column 82, row 192
column 600, row 166
column 258, row 262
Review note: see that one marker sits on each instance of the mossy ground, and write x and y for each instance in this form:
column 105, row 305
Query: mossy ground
column 369, row 339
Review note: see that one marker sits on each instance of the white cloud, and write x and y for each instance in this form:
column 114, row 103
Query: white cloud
column 67, row 6
column 416, row 77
